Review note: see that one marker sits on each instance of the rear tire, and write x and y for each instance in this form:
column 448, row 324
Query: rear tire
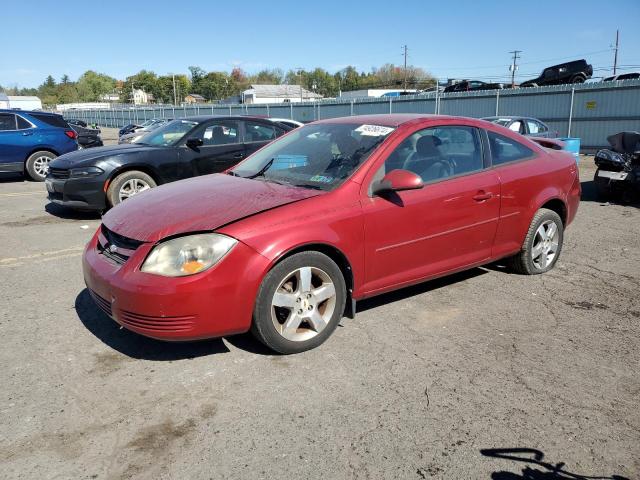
column 542, row 245
column 578, row 79
column 127, row 185
column 300, row 303
column 38, row 165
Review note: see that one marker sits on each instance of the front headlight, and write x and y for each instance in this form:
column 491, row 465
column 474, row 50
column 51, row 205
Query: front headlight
column 187, row 255
column 86, row 172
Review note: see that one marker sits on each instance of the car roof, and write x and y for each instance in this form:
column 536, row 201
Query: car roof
column 390, row 119
column 28, row 112
column 205, row 118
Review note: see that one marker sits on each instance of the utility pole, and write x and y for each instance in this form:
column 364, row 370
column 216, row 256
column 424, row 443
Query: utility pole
column 175, row 101
column 615, row 57
column 405, row 68
column 514, row 66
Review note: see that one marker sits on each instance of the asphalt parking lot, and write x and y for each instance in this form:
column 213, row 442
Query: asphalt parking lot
column 420, row 385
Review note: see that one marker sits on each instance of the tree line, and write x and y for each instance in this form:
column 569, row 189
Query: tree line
column 219, row 85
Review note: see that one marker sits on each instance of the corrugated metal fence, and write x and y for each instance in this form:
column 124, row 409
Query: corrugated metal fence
column 590, row 112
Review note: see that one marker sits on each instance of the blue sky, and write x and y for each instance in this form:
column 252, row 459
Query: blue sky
column 458, row 39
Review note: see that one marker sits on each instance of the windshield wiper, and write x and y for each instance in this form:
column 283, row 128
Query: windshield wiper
column 263, row 170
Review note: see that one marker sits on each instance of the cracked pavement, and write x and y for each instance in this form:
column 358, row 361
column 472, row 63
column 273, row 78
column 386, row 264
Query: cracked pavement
column 415, row 387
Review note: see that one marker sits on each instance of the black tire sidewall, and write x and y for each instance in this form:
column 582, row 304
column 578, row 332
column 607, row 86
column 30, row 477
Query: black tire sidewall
column 29, row 164
column 113, row 192
column 262, row 326
column 541, row 217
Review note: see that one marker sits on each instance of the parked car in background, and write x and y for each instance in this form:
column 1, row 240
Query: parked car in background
column 618, row 171
column 104, row 177
column 136, row 135
column 30, row 140
column 334, row 212
column 132, row 127
column 577, row 71
column 468, row 85
column 524, row 125
column 76, row 122
column 287, row 122
column 622, row 76
column 87, row 137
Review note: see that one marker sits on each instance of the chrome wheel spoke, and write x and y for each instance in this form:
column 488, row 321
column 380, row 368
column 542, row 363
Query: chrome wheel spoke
column 323, row 292
column 552, row 230
column 286, row 300
column 543, row 260
column 553, row 247
column 305, row 279
column 541, row 232
column 290, row 326
column 537, row 250
column 317, row 321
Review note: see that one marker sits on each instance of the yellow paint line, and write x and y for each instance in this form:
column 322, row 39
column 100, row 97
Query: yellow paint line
column 40, row 255
column 17, row 263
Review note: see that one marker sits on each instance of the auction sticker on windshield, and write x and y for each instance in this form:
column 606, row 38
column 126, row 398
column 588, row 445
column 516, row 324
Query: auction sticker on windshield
column 374, row 130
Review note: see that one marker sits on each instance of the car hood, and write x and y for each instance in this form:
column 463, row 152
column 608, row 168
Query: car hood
column 87, row 157
column 198, row 204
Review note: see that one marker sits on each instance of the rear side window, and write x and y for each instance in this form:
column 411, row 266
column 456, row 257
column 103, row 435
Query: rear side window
column 257, row 132
column 534, row 127
column 22, row 123
column 505, row 150
column 53, row 120
column 7, row 121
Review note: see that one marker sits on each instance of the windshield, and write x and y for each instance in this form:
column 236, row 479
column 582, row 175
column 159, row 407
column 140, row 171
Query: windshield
column 318, row 156
column 168, row 134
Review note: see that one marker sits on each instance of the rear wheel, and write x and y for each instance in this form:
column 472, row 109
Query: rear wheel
column 300, row 303
column 128, row 184
column 578, row 79
column 542, row 245
column 38, row 165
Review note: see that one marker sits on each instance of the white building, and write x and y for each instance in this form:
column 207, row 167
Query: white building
column 63, row 107
column 140, row 97
column 20, row 102
column 278, row 94
column 374, row 92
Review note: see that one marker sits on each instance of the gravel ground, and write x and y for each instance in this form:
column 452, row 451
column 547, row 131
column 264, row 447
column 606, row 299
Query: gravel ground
column 419, row 385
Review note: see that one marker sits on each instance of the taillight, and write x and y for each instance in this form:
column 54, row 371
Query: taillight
column 71, row 134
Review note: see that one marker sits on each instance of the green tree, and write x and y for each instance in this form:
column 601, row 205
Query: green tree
column 197, row 74
column 268, row 77
column 91, row 86
column 218, row 85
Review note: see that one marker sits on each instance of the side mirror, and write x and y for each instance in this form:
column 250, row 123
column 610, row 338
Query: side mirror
column 397, row 181
column 194, row 143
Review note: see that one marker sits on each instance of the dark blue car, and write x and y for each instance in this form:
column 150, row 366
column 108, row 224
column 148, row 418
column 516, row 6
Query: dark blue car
column 30, row 140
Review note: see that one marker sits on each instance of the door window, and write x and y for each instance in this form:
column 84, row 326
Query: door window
column 534, row 127
column 221, row 133
column 504, row 150
column 7, row 121
column 542, row 128
column 438, row 153
column 517, row 127
column 258, row 132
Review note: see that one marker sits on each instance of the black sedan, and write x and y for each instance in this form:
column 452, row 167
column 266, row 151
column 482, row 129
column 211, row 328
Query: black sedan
column 99, row 178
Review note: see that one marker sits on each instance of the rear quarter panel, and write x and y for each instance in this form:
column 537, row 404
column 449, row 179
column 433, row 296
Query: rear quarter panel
column 525, row 187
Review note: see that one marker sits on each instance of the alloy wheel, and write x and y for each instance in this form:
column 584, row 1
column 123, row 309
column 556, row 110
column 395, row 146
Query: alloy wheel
column 132, row 187
column 41, row 165
column 303, row 304
column 545, row 244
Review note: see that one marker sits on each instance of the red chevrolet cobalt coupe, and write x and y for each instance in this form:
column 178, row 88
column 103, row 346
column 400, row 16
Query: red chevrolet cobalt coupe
column 339, row 210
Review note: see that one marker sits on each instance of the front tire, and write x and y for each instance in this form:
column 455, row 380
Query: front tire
column 542, row 245
column 300, row 303
column 38, row 165
column 127, row 185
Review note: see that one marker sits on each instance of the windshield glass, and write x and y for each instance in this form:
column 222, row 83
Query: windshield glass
column 168, row 134
column 318, row 156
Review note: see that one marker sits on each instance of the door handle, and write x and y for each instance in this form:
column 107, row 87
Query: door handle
column 481, row 196
column 239, row 155
column 26, row 134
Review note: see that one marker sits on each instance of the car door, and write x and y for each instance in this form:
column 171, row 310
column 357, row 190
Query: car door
column 448, row 224
column 15, row 141
column 221, row 147
column 258, row 134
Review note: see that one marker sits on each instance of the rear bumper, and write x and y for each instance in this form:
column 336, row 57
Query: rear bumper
column 215, row 303
column 81, row 193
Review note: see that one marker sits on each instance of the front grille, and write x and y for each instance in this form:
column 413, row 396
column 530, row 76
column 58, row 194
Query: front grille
column 59, row 172
column 158, row 324
column 105, row 305
column 116, row 248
